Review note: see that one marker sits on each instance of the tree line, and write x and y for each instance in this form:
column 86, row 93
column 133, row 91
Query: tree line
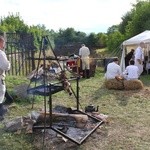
column 14, row 23
column 133, row 22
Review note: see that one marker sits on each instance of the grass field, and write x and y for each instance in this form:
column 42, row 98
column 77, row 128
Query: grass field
column 128, row 111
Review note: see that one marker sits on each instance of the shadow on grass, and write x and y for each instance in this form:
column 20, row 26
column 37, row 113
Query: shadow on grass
column 145, row 79
column 121, row 96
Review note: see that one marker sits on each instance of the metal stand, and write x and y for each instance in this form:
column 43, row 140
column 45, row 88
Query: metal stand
column 49, row 90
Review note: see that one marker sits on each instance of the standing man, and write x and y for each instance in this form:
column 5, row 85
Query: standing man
column 84, row 53
column 113, row 70
column 4, row 66
column 128, row 57
column 139, row 57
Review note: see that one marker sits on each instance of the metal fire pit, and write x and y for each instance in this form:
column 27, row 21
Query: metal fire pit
column 48, row 90
column 69, row 130
column 79, row 135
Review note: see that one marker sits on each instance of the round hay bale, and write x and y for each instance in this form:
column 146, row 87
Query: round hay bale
column 114, row 84
column 133, row 84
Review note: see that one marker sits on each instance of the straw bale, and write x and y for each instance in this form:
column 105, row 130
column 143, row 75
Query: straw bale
column 114, row 84
column 133, row 84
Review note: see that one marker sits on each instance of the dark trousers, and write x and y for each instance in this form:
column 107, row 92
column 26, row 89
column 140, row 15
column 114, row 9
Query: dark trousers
column 9, row 99
column 86, row 73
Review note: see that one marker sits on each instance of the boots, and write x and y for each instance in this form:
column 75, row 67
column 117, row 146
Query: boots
column 9, row 99
column 84, row 74
column 87, row 73
column 3, row 111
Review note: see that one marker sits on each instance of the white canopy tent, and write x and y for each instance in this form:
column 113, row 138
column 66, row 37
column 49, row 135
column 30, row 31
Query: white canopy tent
column 133, row 42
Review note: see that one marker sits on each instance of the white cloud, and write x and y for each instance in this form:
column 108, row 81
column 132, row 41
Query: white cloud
column 84, row 15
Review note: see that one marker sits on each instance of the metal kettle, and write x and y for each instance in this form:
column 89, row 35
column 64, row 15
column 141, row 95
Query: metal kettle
column 91, row 108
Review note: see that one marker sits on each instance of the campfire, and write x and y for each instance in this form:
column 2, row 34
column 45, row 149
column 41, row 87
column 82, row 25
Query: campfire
column 66, row 122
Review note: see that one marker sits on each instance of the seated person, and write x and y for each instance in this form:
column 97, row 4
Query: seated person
column 54, row 67
column 113, row 70
column 131, row 71
column 36, row 73
column 50, row 69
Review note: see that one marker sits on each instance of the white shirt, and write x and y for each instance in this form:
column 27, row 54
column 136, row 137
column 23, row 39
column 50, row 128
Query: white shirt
column 113, row 70
column 132, row 72
column 4, row 64
column 139, row 54
column 84, row 52
column 148, row 65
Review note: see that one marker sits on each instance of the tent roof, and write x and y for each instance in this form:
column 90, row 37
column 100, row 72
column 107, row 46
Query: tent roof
column 142, row 37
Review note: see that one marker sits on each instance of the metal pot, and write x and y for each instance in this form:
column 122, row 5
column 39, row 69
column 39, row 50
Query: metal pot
column 91, row 108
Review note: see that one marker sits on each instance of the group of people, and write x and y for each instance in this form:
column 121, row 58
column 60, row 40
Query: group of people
column 133, row 63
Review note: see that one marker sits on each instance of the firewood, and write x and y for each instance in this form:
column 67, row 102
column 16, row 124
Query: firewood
column 80, row 119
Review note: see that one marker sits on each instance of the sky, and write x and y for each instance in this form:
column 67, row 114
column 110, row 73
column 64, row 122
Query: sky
column 83, row 15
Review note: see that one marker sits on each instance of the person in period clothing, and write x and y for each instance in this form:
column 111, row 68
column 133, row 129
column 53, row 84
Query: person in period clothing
column 4, row 66
column 113, row 70
column 128, row 57
column 131, row 71
column 84, row 53
column 139, row 57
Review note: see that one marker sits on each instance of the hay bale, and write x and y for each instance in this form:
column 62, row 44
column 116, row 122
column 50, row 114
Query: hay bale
column 114, row 84
column 133, row 84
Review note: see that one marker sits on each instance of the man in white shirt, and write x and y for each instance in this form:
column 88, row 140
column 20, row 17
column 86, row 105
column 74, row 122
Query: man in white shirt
column 84, row 53
column 139, row 57
column 4, row 66
column 113, row 70
column 131, row 71
column 148, row 67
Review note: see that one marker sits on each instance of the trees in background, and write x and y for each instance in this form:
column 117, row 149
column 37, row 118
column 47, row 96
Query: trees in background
column 133, row 22
column 13, row 23
column 69, row 35
column 140, row 19
column 38, row 31
column 114, row 41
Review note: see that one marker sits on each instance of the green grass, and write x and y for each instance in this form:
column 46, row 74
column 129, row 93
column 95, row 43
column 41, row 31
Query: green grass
column 128, row 111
